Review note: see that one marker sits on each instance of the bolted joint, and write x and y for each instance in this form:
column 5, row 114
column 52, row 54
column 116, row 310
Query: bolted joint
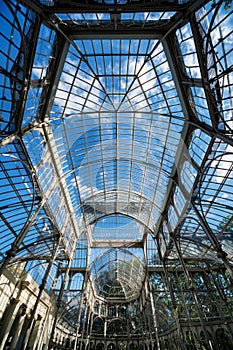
column 221, row 254
column 172, row 235
column 12, row 252
column 191, row 286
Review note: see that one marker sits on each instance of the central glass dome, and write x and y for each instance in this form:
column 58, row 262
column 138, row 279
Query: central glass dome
column 118, row 275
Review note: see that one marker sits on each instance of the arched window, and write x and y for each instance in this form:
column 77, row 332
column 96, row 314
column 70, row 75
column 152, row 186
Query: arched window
column 98, row 327
column 77, row 282
column 112, row 311
column 97, row 307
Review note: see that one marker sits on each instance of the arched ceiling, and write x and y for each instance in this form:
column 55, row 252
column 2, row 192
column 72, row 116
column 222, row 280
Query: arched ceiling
column 117, row 106
column 124, row 110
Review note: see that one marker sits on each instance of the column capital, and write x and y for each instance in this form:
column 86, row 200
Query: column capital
column 24, row 284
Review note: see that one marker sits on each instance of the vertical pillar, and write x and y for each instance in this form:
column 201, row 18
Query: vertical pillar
column 174, row 304
column 79, row 313
column 44, row 326
column 105, row 327
column 91, row 323
column 128, row 324
column 17, row 330
column 88, row 325
column 58, row 304
column 34, row 339
column 155, row 320
column 16, row 334
column 12, row 311
column 192, row 289
column 41, row 289
column 224, row 318
column 85, row 317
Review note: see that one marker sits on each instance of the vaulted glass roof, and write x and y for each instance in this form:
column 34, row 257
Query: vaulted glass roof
column 116, row 131
column 112, row 98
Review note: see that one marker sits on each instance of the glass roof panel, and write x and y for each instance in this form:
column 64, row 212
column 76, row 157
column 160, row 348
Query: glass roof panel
column 188, row 49
column 215, row 193
column 16, row 30
column 117, row 148
column 117, row 227
column 195, row 250
column 84, row 18
column 103, row 19
column 217, row 33
column 18, row 181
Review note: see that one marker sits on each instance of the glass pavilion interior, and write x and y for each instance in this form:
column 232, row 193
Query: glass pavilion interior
column 116, row 179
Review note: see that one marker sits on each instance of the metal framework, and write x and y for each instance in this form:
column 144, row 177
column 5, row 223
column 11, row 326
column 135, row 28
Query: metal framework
column 116, row 167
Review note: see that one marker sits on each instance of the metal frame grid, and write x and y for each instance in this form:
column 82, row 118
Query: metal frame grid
column 114, row 110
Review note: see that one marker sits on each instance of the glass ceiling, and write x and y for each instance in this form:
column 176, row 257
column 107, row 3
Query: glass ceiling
column 117, row 128
column 118, row 228
column 108, row 112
